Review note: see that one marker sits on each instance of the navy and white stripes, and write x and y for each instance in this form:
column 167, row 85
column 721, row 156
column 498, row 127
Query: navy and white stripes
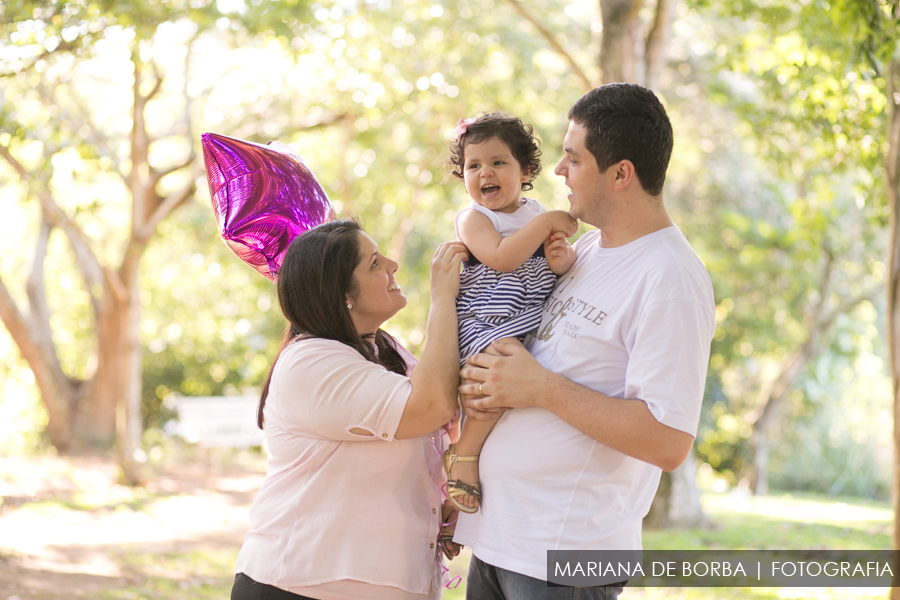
column 493, row 305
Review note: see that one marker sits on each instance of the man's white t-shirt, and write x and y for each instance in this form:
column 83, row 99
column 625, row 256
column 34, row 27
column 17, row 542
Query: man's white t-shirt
column 631, row 322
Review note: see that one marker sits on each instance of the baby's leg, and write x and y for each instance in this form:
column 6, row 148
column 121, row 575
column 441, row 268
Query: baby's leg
column 471, row 439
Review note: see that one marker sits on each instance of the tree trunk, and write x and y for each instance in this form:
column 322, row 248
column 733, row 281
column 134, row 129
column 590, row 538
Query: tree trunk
column 114, row 406
column 34, row 338
column 762, row 417
column 759, row 472
column 677, row 502
column 99, row 426
column 892, row 169
column 657, row 39
column 618, row 50
column 818, row 320
column 130, row 425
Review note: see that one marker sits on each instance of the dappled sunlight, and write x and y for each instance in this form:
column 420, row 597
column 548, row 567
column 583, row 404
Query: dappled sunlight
column 777, row 180
column 67, row 518
column 798, row 509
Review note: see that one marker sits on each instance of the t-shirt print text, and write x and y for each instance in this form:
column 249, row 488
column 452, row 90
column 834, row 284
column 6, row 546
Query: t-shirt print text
column 558, row 309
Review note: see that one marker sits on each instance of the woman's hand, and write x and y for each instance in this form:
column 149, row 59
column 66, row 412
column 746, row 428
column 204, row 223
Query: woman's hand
column 560, row 220
column 445, row 266
column 453, row 427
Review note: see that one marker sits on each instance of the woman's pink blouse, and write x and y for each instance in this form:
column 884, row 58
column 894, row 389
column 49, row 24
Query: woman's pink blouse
column 337, row 509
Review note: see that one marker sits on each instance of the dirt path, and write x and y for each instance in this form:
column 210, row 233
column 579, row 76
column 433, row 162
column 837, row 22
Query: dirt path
column 67, row 530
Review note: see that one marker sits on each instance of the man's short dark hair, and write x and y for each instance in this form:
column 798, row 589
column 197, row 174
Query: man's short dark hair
column 625, row 121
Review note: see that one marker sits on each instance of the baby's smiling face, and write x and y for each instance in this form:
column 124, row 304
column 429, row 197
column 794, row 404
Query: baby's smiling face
column 493, row 176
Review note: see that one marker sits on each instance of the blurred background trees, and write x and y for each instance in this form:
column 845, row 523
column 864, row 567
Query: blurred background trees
column 778, row 180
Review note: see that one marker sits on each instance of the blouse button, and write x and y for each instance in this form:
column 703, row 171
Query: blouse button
column 434, row 511
column 429, row 472
column 431, row 545
column 384, row 435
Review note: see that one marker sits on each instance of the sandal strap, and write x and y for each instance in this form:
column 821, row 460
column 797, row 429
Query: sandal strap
column 451, row 457
column 457, row 458
column 462, row 486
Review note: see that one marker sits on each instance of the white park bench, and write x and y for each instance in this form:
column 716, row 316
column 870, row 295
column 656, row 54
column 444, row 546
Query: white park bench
column 217, row 421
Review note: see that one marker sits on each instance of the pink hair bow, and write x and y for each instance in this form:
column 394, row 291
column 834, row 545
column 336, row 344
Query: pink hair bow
column 461, row 126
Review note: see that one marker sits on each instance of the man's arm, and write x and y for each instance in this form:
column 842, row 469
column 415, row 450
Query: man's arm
column 514, row 379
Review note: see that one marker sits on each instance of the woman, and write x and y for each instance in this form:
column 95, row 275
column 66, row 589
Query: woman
column 351, row 504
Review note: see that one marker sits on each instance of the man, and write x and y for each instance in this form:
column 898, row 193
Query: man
column 610, row 393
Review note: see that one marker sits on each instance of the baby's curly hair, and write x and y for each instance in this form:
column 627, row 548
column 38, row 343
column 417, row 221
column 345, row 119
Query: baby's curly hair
column 518, row 136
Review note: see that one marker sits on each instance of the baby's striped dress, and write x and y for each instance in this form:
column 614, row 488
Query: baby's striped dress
column 493, row 304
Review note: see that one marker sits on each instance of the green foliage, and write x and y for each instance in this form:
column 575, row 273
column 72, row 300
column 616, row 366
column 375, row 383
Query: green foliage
column 393, row 79
column 390, row 82
column 786, row 206
column 776, row 169
column 782, row 522
column 210, row 324
column 839, row 438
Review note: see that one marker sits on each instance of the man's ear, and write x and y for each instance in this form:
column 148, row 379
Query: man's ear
column 624, row 174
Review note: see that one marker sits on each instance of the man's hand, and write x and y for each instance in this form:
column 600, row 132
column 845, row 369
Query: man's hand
column 514, row 379
column 480, row 415
column 474, row 413
column 507, row 377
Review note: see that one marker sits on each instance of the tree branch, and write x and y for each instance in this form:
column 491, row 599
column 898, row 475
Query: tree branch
column 892, row 158
column 165, row 208
column 156, row 86
column 818, row 324
column 251, row 128
column 26, row 339
column 846, row 306
column 657, row 38
column 15, row 164
column 812, row 317
column 586, row 82
column 29, row 64
column 93, row 272
column 617, row 51
column 16, row 323
column 159, row 174
column 36, row 347
column 318, row 124
column 83, row 115
column 37, row 298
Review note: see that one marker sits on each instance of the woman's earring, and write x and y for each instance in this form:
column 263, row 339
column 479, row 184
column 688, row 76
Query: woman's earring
column 349, row 306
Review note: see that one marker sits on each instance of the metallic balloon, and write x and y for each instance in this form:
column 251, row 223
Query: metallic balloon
column 263, row 197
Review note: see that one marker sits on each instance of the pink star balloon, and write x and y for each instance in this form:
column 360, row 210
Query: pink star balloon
column 263, row 197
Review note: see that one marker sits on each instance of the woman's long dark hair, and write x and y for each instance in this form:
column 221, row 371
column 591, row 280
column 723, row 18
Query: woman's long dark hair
column 314, row 281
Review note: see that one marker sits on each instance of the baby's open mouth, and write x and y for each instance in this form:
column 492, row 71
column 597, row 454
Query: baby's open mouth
column 490, row 189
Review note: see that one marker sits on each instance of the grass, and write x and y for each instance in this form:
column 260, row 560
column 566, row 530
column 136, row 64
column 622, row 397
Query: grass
column 776, row 522
column 781, row 521
column 200, row 574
